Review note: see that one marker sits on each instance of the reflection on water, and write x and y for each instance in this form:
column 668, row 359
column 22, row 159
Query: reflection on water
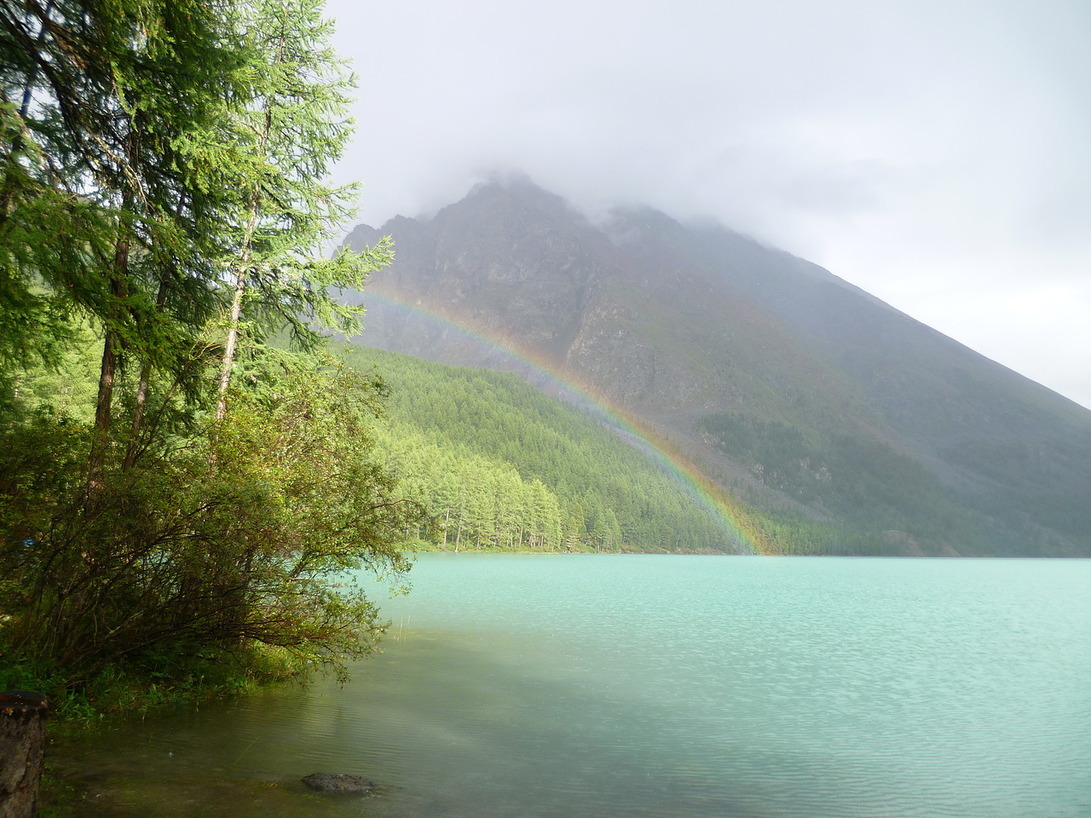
column 655, row 686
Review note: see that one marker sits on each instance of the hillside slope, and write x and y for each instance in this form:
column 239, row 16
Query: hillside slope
column 789, row 387
column 501, row 466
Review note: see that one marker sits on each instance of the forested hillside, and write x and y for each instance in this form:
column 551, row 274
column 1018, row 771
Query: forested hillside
column 499, row 465
column 789, row 389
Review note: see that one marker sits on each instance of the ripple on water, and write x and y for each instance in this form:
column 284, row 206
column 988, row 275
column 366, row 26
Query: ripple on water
column 692, row 687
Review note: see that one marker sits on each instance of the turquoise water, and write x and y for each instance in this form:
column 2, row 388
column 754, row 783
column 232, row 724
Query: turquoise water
column 669, row 686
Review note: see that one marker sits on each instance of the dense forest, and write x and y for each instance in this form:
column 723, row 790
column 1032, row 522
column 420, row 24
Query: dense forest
column 863, row 481
column 178, row 498
column 501, row 466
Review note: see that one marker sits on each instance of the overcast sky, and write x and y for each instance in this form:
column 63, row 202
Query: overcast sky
column 936, row 153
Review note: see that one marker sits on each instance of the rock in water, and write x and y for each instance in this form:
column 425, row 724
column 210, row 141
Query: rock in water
column 339, row 782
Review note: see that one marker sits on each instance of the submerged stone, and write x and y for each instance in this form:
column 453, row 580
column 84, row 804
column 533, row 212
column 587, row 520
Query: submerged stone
column 339, row 782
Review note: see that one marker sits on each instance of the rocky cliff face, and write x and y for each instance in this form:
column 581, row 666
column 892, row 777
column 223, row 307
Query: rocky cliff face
column 738, row 353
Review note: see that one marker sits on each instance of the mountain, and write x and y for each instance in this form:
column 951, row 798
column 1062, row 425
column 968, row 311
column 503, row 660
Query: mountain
column 797, row 392
column 503, row 467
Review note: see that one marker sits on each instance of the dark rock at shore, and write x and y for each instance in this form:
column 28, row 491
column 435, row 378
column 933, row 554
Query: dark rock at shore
column 339, row 782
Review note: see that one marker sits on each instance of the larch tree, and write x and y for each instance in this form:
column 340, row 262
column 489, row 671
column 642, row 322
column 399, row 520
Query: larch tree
column 161, row 166
column 292, row 130
column 108, row 111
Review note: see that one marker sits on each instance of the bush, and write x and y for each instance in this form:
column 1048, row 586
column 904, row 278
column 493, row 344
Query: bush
column 233, row 546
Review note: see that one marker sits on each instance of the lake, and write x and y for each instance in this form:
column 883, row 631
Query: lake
column 589, row 685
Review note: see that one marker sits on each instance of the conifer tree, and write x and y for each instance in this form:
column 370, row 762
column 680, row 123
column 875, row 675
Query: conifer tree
column 292, row 130
column 157, row 157
column 109, row 116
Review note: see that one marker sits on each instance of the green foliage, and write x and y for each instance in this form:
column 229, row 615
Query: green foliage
column 501, row 466
column 105, row 121
column 862, row 481
column 171, row 564
column 293, row 127
column 158, row 160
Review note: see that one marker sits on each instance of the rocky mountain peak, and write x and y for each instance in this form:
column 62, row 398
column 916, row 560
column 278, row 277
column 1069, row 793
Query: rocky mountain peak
column 715, row 340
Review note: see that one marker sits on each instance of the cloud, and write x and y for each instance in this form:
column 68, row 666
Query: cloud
column 899, row 144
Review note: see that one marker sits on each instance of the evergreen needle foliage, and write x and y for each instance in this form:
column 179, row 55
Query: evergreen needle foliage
column 179, row 505
column 500, row 466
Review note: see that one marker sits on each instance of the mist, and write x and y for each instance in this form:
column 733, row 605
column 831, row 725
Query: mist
column 931, row 153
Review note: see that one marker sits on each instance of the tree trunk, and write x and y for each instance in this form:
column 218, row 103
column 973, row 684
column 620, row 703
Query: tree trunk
column 108, row 373
column 229, row 346
column 245, row 252
column 22, row 747
column 228, row 364
column 132, row 449
column 103, row 409
column 142, row 390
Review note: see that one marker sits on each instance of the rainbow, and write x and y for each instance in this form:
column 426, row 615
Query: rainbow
column 720, row 505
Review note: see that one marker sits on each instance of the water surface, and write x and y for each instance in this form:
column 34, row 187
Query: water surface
column 667, row 686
